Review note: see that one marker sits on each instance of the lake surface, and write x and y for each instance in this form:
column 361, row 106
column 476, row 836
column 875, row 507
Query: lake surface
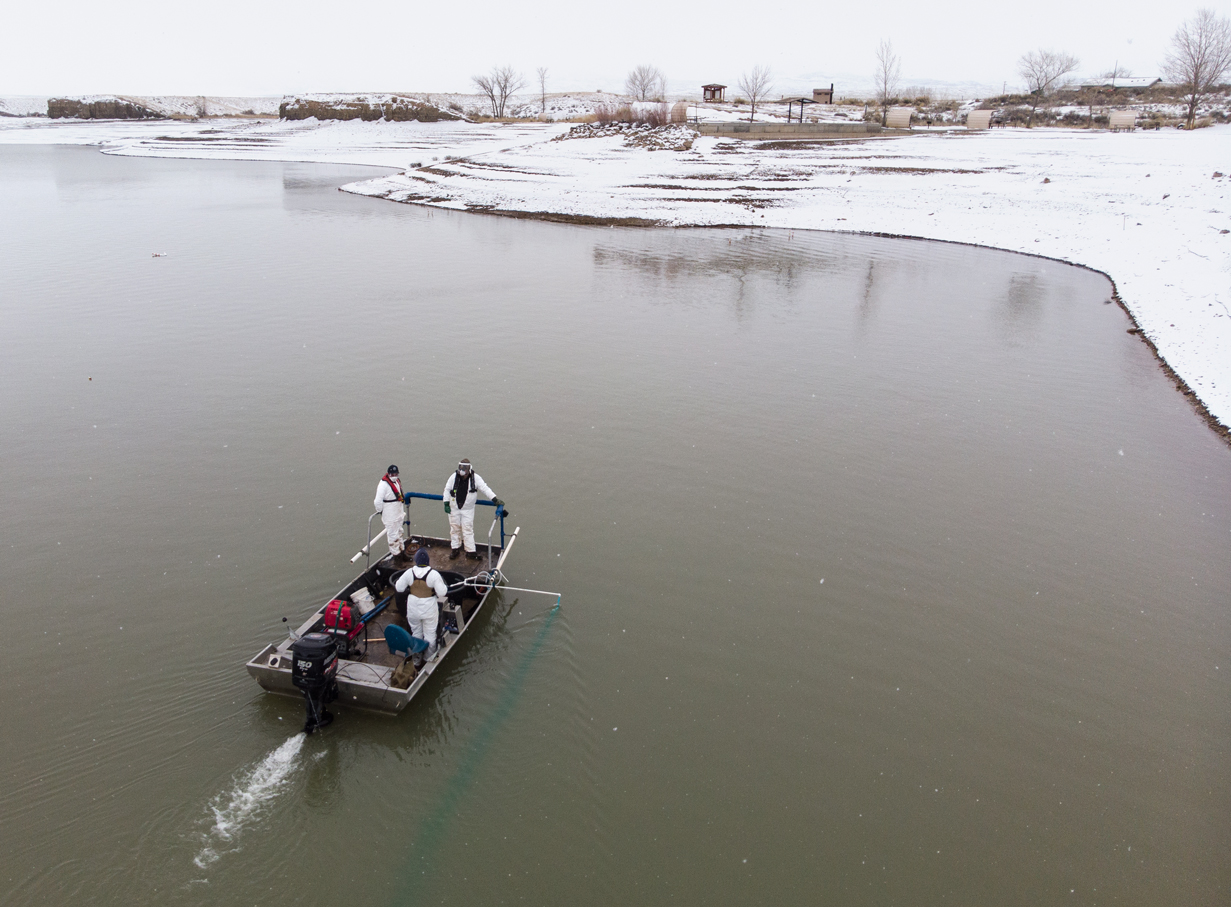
column 893, row 572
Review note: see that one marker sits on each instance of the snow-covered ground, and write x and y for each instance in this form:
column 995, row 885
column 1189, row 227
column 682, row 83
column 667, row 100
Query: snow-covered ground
column 23, row 106
column 186, row 106
column 380, row 144
column 165, row 105
column 1150, row 209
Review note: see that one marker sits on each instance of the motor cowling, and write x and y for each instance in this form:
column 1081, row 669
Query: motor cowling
column 314, row 662
column 314, row 670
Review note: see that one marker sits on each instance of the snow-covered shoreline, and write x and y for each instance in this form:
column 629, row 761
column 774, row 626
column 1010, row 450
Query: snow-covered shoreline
column 1145, row 208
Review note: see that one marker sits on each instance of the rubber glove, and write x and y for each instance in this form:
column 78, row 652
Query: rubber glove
column 448, row 509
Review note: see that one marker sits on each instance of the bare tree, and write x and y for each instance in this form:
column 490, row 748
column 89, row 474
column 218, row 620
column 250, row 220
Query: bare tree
column 201, row 107
column 755, row 84
column 1117, row 72
column 888, row 74
column 542, row 70
column 1044, row 72
column 499, row 85
column 646, row 83
column 1199, row 58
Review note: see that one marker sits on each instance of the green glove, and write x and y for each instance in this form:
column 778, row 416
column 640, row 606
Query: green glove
column 498, row 502
column 447, row 508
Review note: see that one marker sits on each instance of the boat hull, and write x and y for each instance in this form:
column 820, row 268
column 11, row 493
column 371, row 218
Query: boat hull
column 364, row 682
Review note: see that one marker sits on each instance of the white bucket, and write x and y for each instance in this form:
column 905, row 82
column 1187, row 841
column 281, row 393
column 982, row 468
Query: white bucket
column 363, row 600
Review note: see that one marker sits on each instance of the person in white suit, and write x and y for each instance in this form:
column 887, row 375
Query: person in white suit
column 461, row 491
column 390, row 505
column 428, row 593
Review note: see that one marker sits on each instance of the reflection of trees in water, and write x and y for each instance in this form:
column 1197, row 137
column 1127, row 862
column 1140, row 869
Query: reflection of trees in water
column 1022, row 305
column 782, row 257
column 867, row 303
column 738, row 256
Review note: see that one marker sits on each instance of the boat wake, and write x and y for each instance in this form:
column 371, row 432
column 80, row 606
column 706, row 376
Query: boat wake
column 252, row 791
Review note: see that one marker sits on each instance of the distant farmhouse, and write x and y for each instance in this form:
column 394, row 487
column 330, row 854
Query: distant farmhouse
column 1114, row 82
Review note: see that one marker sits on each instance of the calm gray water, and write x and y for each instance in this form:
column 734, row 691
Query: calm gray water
column 893, row 572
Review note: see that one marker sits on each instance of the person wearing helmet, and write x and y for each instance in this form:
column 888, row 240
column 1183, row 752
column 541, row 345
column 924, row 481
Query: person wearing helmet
column 461, row 491
column 427, row 594
column 389, row 504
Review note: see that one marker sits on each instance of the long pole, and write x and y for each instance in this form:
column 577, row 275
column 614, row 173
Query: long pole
column 365, row 550
column 507, row 549
column 535, row 591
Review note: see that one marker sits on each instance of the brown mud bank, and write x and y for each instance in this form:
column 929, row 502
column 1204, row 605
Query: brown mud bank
column 103, row 109
column 555, row 218
column 396, row 109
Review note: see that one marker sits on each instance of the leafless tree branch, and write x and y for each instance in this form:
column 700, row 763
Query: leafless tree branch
column 888, row 74
column 1200, row 57
column 1044, row 72
column 646, row 83
column 499, row 85
column 755, row 85
column 542, row 71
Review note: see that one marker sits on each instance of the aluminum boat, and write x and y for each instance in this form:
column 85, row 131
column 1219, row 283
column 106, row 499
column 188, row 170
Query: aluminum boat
column 365, row 664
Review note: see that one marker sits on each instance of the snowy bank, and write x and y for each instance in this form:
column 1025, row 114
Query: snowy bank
column 380, row 144
column 1149, row 209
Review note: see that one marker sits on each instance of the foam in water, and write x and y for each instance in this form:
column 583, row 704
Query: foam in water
column 251, row 791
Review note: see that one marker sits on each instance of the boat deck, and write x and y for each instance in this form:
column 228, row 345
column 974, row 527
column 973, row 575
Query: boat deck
column 365, row 668
column 371, row 645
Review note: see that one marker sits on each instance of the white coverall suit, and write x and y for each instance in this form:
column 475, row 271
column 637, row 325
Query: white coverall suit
column 421, row 605
column 461, row 519
column 392, row 511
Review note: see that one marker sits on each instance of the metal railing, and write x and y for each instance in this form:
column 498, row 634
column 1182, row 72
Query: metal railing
column 406, row 498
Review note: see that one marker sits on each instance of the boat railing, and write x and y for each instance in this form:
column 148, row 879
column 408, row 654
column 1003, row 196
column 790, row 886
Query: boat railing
column 499, row 518
column 367, row 549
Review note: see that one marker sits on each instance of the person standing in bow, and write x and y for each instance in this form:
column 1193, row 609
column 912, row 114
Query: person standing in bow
column 461, row 491
column 390, row 504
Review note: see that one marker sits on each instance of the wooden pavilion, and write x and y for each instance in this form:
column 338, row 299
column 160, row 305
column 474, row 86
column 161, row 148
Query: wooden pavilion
column 790, row 106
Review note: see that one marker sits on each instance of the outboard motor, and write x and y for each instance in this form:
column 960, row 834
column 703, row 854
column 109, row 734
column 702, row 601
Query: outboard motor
column 314, row 670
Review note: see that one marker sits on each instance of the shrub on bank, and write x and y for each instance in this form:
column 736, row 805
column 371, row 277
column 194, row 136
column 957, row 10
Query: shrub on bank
column 645, row 115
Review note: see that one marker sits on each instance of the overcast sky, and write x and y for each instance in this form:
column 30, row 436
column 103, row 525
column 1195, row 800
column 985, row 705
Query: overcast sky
column 261, row 48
